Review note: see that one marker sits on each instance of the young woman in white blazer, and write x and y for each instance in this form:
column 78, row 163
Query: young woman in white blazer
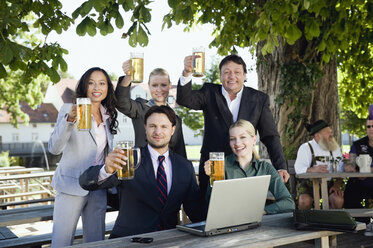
column 80, row 150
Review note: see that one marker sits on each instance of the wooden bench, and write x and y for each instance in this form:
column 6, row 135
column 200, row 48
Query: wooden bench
column 5, row 233
column 39, row 240
column 18, row 216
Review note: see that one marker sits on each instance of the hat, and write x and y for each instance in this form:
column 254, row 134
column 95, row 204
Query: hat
column 370, row 110
column 316, row 126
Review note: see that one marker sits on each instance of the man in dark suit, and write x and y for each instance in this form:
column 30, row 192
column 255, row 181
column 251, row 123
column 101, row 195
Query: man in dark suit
column 223, row 105
column 152, row 199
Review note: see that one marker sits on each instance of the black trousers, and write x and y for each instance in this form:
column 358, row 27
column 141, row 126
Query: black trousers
column 357, row 190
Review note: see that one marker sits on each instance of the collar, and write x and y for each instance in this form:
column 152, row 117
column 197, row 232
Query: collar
column 151, row 103
column 154, row 154
column 104, row 114
column 233, row 160
column 226, row 95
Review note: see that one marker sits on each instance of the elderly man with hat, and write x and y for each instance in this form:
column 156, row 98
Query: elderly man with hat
column 316, row 156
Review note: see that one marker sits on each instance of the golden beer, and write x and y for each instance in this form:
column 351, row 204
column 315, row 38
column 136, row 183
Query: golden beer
column 84, row 111
column 137, row 67
column 216, row 167
column 128, row 171
column 198, row 62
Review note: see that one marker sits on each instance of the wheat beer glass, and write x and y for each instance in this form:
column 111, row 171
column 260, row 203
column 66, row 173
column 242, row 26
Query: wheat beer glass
column 128, row 171
column 84, row 114
column 198, row 61
column 137, row 67
column 217, row 167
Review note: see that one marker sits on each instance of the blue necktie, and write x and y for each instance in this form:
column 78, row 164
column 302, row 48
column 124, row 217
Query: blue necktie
column 161, row 182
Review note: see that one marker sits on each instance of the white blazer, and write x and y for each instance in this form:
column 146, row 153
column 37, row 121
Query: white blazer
column 79, row 152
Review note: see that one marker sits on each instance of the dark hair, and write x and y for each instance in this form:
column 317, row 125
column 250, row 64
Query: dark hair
column 233, row 58
column 163, row 109
column 109, row 102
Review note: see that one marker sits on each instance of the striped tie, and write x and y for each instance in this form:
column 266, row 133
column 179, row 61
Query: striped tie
column 161, row 182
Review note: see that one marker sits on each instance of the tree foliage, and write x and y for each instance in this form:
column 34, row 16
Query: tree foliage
column 25, row 59
column 339, row 28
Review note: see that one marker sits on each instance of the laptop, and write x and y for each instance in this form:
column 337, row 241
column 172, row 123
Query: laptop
column 235, row 205
column 333, row 220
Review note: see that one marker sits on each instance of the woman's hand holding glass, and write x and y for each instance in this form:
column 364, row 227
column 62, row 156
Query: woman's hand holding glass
column 71, row 117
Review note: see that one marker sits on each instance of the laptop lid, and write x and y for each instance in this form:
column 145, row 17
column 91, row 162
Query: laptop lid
column 236, row 202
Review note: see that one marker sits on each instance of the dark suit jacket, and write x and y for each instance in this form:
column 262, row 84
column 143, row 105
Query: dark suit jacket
column 139, row 209
column 136, row 109
column 254, row 107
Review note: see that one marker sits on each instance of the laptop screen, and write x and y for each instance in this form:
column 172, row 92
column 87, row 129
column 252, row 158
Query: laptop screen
column 236, row 202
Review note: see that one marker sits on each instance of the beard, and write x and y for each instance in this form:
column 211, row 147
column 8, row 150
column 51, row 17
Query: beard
column 328, row 144
column 159, row 145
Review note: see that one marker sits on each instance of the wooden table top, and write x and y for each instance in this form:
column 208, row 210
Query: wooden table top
column 275, row 230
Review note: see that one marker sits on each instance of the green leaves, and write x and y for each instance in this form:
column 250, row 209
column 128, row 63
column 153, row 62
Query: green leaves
column 88, row 25
column 98, row 14
column 292, row 34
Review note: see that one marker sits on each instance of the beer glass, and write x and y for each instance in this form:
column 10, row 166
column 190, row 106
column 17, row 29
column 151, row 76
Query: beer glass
column 198, row 62
column 216, row 167
column 137, row 67
column 128, row 171
column 83, row 114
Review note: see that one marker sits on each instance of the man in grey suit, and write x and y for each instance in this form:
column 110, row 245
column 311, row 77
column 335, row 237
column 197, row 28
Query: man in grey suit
column 223, row 105
column 164, row 180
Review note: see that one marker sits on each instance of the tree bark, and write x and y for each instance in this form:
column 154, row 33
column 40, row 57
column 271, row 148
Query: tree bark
column 324, row 99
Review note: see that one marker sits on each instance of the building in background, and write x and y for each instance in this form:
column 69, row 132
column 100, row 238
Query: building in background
column 29, row 142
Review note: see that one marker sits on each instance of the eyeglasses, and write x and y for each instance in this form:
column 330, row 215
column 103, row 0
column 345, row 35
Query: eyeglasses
column 141, row 240
column 369, row 126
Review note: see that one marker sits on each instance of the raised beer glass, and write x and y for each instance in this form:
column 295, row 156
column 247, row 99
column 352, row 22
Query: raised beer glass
column 198, row 62
column 137, row 67
column 128, row 171
column 84, row 118
column 216, row 167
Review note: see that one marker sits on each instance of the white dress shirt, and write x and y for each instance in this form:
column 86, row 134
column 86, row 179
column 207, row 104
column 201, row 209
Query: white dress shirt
column 234, row 105
column 100, row 136
column 166, row 164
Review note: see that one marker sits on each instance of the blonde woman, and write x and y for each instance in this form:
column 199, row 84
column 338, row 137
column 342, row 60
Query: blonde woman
column 159, row 86
column 244, row 162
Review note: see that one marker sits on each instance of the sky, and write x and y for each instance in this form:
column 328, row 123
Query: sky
column 165, row 49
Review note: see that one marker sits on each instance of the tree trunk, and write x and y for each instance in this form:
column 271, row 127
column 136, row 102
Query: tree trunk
column 324, row 99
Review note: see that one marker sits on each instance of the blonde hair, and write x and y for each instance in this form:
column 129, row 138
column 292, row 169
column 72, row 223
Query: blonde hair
column 159, row 71
column 249, row 128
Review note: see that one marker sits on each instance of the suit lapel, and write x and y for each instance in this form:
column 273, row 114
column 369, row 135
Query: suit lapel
column 91, row 132
column 247, row 105
column 223, row 107
column 175, row 179
column 149, row 172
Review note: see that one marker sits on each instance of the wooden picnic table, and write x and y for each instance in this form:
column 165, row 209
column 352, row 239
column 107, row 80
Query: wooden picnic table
column 27, row 185
column 321, row 179
column 275, row 230
column 18, row 216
